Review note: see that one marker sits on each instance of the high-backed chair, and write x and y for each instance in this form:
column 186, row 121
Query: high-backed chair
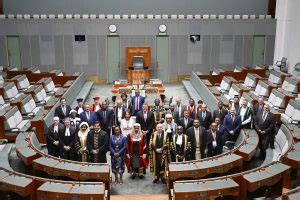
column 14, row 122
column 282, row 63
column 291, row 113
column 29, row 108
column 21, row 82
column 251, row 80
column 290, row 85
column 10, row 91
column 277, row 77
column 41, row 97
column 50, row 87
column 216, row 71
column 276, row 100
column 261, row 89
column 226, row 84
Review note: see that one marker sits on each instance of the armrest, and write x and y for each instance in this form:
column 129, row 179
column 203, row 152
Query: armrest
column 57, row 85
column 217, row 84
column 229, row 143
column 3, row 141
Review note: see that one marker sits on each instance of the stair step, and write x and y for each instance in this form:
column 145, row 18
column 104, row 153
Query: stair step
column 139, row 197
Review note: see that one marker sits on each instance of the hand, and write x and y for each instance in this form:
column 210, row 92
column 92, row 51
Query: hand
column 128, row 156
column 205, row 151
column 158, row 150
column 67, row 148
column 95, row 151
column 231, row 132
column 263, row 132
column 116, row 154
column 56, row 143
column 144, row 156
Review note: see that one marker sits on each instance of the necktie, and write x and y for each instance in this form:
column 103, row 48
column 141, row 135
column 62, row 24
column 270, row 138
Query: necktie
column 185, row 122
column 67, row 133
column 137, row 103
column 203, row 115
column 145, row 116
column 264, row 116
column 232, row 118
column 104, row 115
column 159, row 136
column 64, row 110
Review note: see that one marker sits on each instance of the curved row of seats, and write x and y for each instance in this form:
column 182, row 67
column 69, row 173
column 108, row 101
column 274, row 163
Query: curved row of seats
column 28, row 98
column 276, row 170
column 133, row 16
column 31, row 152
column 13, row 183
column 234, row 160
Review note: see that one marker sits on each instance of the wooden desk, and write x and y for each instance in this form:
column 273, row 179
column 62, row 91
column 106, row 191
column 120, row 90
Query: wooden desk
column 69, row 191
column 267, row 177
column 138, row 76
column 20, row 185
column 206, row 190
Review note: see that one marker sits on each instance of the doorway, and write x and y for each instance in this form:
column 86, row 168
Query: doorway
column 162, row 57
column 258, row 56
column 113, row 58
column 13, row 51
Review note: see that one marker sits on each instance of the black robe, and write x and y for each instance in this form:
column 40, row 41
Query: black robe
column 182, row 150
column 51, row 137
column 67, row 141
column 102, row 139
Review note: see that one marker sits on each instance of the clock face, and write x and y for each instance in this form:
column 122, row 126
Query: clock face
column 112, row 28
column 162, row 28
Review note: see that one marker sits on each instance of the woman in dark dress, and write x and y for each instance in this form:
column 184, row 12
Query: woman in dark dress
column 117, row 147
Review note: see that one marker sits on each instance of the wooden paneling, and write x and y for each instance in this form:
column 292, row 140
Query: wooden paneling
column 138, row 51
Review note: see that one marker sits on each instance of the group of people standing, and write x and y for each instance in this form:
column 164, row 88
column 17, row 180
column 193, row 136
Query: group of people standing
column 137, row 136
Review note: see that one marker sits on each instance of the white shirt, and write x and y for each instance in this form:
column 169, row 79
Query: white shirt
column 243, row 113
column 56, row 128
column 179, row 140
column 127, row 126
column 120, row 114
column 80, row 110
column 67, row 133
column 97, row 107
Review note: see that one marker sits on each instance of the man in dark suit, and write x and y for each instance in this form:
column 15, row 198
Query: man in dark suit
column 146, row 119
column 119, row 113
column 259, row 107
column 97, row 144
column 137, row 102
column 204, row 117
column 232, row 123
column 220, row 127
column 52, row 137
column 88, row 116
column 67, row 140
column 105, row 117
column 198, row 139
column 236, row 102
column 221, row 112
column 214, row 141
column 192, row 108
column 186, row 122
column 173, row 112
column 62, row 111
column 264, row 125
column 180, row 108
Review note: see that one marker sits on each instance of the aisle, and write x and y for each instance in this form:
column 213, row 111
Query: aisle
column 139, row 197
